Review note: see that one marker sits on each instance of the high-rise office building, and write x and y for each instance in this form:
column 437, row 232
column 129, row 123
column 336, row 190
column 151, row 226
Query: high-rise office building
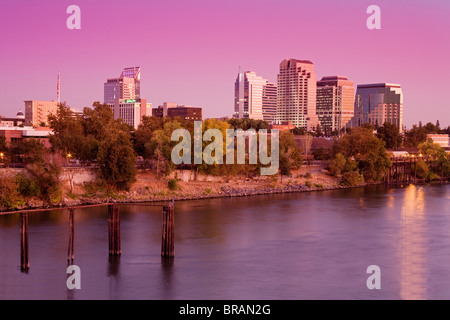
column 269, row 102
column 254, row 97
column 248, row 93
column 335, row 103
column 296, row 94
column 131, row 111
column 37, row 112
column 379, row 103
column 127, row 86
column 123, row 95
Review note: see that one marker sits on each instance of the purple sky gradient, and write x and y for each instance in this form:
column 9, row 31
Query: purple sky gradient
column 190, row 51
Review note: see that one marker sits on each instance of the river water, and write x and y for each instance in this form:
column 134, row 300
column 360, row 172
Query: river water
column 314, row 245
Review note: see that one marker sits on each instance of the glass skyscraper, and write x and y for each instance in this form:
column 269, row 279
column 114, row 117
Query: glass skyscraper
column 379, row 103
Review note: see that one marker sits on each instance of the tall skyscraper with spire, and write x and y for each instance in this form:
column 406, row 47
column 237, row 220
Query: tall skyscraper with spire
column 123, row 95
column 296, row 94
column 127, row 86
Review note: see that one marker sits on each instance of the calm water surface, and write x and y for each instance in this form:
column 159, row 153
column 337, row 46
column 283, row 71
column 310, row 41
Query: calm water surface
column 294, row 246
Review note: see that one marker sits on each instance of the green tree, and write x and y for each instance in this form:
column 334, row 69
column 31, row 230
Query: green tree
column 9, row 195
column 95, row 122
column 67, row 137
column 290, row 151
column 432, row 128
column 247, row 123
column 322, row 154
column 30, row 151
column 285, row 166
column 440, row 158
column 97, row 119
column 299, row 131
column 144, row 134
column 27, row 186
column 421, row 169
column 222, row 126
column 40, row 169
column 352, row 178
column 46, row 177
column 368, row 126
column 367, row 150
column 415, row 136
column 337, row 164
column 116, row 159
column 390, row 134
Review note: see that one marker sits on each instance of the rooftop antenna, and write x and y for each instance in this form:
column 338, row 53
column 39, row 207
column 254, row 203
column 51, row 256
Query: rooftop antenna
column 58, row 91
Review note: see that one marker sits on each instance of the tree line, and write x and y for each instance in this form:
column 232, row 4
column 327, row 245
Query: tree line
column 95, row 138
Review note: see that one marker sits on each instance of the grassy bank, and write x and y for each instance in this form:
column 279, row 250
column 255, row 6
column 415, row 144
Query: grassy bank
column 148, row 188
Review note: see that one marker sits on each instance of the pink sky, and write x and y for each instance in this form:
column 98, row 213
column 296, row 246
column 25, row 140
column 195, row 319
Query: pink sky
column 190, row 51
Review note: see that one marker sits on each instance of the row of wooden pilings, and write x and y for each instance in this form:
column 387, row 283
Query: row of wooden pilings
column 404, row 170
column 401, row 171
column 114, row 243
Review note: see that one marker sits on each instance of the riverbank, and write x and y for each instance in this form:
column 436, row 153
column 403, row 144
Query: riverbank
column 149, row 188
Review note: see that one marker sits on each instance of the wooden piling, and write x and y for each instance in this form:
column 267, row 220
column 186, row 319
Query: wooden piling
column 168, row 219
column 70, row 251
column 114, row 230
column 24, row 261
column 405, row 177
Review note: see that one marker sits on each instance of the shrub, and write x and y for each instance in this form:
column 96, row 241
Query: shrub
column 432, row 176
column 308, row 175
column 27, row 186
column 422, row 169
column 207, row 191
column 173, row 184
column 91, row 189
column 46, row 176
column 308, row 184
column 319, row 185
column 72, row 195
column 9, row 194
column 352, row 178
column 337, row 165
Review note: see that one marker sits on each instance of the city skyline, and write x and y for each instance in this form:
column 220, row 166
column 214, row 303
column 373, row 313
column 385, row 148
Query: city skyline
column 180, row 61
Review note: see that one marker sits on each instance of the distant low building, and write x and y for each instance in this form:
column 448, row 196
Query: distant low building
column 170, row 109
column 19, row 120
column 18, row 134
column 283, row 126
column 440, row 139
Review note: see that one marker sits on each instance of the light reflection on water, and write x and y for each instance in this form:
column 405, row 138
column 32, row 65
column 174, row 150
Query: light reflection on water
column 293, row 246
column 414, row 244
